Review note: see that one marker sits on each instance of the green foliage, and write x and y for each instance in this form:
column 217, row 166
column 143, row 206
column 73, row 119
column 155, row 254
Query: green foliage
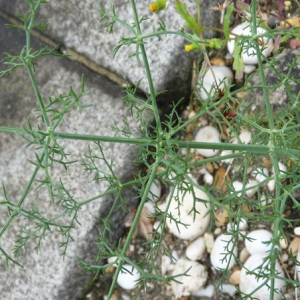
column 191, row 22
column 160, row 150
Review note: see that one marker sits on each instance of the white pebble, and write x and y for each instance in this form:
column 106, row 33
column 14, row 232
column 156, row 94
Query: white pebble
column 208, row 178
column 208, row 292
column 257, row 241
column 220, row 257
column 243, row 225
column 207, row 134
column 260, row 174
column 209, row 241
column 226, row 152
column 298, row 267
column 166, row 262
column 128, row 277
column 245, row 136
column 284, row 257
column 158, row 227
column 217, row 231
column 282, row 168
column 297, row 231
column 150, row 207
column 113, row 260
column 155, row 191
column 185, row 285
column 249, row 68
column 193, row 214
column 251, row 188
column 174, row 256
column 238, row 187
column 228, row 289
column 271, row 185
column 220, row 75
column 263, row 200
column 249, row 53
column 244, row 254
column 249, row 283
column 196, row 249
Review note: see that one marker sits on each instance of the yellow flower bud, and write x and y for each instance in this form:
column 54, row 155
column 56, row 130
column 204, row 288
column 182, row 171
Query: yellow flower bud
column 191, row 47
column 158, row 5
column 153, row 7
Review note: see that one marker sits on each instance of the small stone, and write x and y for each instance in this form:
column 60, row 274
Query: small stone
column 193, row 215
column 220, row 179
column 260, row 174
column 228, row 289
column 251, row 188
column 245, row 136
column 283, row 243
column 128, row 277
column 216, row 75
column 243, row 225
column 246, row 208
column 209, row 241
column 166, row 262
column 208, row 178
column 113, row 261
column 297, row 231
column 192, row 114
column 155, row 191
column 220, row 257
column 267, row 163
column 208, row 292
column 158, row 227
column 271, row 185
column 238, row 187
column 249, row 68
column 217, row 61
column 249, row 55
column 284, row 258
column 244, row 254
column 210, row 167
column 217, row 231
column 207, row 134
column 221, row 216
column 250, row 283
column 259, row 241
column 226, row 152
column 294, row 246
column 185, row 285
column 196, row 249
column 235, row 277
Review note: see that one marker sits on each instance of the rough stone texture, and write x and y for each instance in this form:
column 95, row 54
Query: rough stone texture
column 45, row 274
column 75, row 24
column 279, row 97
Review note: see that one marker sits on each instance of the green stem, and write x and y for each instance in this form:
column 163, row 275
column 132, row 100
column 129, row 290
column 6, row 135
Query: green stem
column 17, row 207
column 28, row 62
column 271, row 145
column 262, row 149
column 147, row 68
column 122, row 254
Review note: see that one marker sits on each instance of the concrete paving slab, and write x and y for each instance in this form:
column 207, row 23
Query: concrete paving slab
column 75, row 24
column 46, row 275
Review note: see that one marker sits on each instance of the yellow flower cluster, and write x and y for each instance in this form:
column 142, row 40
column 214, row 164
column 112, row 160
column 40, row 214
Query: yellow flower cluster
column 158, row 5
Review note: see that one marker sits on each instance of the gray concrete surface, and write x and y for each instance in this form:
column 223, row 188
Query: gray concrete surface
column 45, row 274
column 280, row 95
column 75, row 24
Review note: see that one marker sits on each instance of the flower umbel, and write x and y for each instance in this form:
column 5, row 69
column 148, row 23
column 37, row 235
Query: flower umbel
column 158, row 5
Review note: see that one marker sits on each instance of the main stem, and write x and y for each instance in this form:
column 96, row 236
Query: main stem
column 146, row 65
